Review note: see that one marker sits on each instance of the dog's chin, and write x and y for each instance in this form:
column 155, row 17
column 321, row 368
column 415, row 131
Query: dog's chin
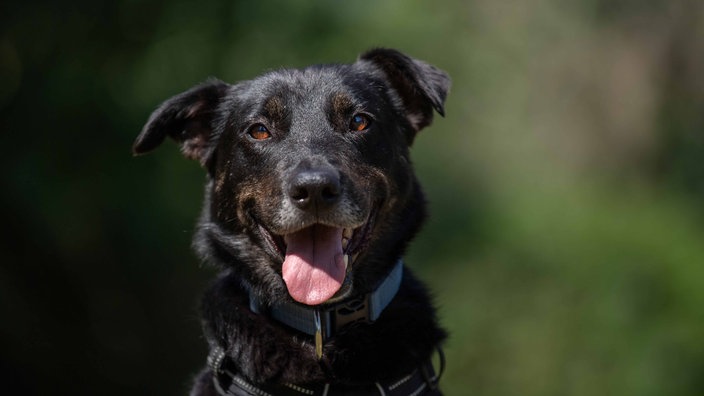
column 312, row 277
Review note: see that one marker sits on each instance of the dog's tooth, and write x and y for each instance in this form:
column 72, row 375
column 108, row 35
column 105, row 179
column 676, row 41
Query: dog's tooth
column 346, row 259
column 347, row 233
column 345, row 241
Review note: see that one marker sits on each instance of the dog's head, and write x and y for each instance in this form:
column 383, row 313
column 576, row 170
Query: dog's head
column 310, row 191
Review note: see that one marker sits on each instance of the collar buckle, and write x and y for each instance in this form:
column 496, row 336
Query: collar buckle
column 355, row 310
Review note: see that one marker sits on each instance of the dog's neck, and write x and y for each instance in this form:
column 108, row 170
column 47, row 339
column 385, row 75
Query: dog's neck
column 325, row 321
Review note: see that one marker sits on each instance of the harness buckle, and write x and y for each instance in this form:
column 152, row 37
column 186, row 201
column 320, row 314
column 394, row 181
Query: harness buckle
column 428, row 371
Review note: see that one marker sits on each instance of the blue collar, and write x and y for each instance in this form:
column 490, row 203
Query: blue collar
column 325, row 321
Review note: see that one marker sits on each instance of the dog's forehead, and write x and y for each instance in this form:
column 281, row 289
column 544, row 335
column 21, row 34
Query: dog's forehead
column 316, row 86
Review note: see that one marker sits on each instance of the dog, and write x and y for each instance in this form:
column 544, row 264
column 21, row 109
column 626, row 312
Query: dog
column 310, row 203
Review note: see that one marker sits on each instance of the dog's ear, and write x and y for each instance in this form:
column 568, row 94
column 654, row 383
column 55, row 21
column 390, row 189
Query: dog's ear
column 188, row 119
column 422, row 87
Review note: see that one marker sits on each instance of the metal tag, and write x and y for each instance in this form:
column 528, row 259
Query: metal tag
column 318, row 336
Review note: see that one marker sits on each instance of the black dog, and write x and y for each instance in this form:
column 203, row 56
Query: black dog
column 310, row 202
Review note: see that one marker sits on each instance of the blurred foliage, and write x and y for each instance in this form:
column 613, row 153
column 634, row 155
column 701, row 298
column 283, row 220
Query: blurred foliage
column 566, row 246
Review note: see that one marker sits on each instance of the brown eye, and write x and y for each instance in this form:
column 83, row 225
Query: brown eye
column 259, row 132
column 360, row 122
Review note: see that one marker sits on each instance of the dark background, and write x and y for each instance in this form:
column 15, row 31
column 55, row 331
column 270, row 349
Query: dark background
column 566, row 247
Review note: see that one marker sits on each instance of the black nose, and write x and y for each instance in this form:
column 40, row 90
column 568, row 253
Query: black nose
column 315, row 189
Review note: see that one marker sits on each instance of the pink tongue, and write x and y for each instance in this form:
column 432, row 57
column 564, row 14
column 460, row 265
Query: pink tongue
column 314, row 268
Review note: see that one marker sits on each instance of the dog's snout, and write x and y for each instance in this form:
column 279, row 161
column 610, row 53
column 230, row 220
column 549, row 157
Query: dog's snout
column 317, row 189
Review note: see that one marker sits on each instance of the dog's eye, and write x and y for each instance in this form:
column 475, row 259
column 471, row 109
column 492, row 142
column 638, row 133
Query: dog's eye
column 360, row 122
column 259, row 132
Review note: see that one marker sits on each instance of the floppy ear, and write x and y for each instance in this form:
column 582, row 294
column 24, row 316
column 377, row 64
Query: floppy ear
column 422, row 87
column 188, row 119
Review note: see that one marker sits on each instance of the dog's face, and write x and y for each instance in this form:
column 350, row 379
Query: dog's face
column 311, row 194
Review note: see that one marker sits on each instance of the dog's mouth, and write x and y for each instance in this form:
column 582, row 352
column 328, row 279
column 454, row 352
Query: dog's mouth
column 317, row 259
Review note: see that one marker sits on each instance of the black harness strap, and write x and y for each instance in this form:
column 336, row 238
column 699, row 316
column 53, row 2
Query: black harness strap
column 229, row 383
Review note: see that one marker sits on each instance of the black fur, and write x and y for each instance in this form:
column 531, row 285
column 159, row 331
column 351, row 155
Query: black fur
column 250, row 203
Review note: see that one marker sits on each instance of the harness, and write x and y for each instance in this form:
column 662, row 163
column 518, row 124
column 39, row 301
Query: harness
column 229, row 383
column 323, row 323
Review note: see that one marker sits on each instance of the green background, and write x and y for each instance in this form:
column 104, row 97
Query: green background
column 566, row 185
